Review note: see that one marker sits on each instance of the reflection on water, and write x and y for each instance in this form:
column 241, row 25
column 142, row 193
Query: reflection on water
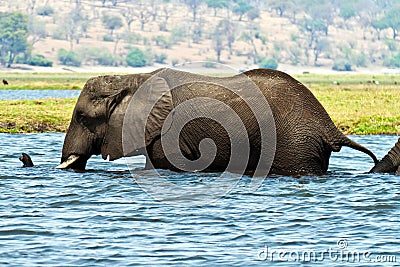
column 102, row 217
column 37, row 94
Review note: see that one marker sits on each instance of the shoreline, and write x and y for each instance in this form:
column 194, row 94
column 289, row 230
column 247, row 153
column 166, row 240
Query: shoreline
column 357, row 103
column 195, row 67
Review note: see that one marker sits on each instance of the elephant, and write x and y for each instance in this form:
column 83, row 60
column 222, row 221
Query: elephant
column 390, row 163
column 302, row 141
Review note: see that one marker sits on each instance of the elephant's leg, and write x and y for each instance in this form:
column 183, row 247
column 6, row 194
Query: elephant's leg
column 155, row 157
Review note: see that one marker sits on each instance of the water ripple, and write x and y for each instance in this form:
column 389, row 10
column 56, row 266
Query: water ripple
column 102, row 217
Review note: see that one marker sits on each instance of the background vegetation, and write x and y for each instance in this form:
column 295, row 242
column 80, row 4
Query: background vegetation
column 342, row 34
column 358, row 104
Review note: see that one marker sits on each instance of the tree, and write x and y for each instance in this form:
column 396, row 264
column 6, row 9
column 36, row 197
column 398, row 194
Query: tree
column 167, row 12
column 13, row 36
column 37, row 31
column 367, row 13
column 218, row 44
column 378, row 26
column 391, row 20
column 112, row 23
column 73, row 24
column 144, row 15
column 347, row 11
column 320, row 46
column 229, row 31
column 129, row 16
column 217, row 4
column 250, row 35
column 253, row 14
column 193, row 5
column 281, row 6
column 241, row 8
column 321, row 12
column 313, row 28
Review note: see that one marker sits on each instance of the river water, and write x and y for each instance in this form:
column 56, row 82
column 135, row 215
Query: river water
column 102, row 217
column 37, row 94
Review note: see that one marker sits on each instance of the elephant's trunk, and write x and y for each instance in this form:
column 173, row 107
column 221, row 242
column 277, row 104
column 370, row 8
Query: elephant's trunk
column 390, row 163
column 78, row 147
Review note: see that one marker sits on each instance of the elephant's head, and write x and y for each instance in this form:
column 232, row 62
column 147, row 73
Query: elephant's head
column 96, row 124
column 390, row 163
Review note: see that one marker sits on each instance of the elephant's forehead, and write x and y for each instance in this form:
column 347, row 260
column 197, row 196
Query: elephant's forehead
column 111, row 84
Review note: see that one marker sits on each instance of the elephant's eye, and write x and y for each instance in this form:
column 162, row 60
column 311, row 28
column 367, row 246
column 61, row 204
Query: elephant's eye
column 87, row 121
column 81, row 118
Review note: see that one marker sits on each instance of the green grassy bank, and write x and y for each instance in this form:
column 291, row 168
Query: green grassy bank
column 48, row 81
column 29, row 116
column 358, row 104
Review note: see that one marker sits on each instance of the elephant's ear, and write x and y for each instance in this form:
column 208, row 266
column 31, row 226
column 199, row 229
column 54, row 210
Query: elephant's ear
column 145, row 115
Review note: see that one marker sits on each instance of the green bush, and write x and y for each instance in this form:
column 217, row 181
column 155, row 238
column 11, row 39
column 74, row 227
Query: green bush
column 395, row 61
column 69, row 58
column 174, row 62
column 210, row 63
column 160, row 58
column 342, row 65
column 59, row 34
column 360, row 60
column 391, row 44
column 178, row 34
column 133, row 38
column 161, row 41
column 45, row 11
column 136, row 58
column 107, row 59
column 20, row 59
column 108, row 38
column 39, row 60
column 99, row 56
column 269, row 63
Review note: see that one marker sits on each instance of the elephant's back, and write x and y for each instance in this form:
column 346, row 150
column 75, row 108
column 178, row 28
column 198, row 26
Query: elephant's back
column 306, row 135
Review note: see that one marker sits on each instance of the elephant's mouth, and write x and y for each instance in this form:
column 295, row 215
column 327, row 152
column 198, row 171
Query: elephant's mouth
column 76, row 162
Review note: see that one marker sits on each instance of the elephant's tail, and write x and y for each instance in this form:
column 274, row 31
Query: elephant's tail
column 350, row 143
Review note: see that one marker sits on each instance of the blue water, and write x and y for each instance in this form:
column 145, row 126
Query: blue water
column 51, row 217
column 37, row 94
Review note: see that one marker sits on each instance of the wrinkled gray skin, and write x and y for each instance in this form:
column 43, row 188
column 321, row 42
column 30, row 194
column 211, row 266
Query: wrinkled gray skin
column 305, row 134
column 389, row 163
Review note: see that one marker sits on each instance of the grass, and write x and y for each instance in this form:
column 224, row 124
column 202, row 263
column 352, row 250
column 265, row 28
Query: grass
column 348, row 79
column 48, row 81
column 28, row 116
column 362, row 110
column 358, row 104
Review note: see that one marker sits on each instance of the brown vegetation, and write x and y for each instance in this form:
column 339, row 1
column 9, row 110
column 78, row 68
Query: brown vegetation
column 234, row 32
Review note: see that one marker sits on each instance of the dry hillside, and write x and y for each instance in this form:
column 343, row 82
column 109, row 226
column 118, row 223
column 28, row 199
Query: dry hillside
column 174, row 32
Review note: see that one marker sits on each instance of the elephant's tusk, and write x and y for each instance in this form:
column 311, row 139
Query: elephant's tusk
column 71, row 159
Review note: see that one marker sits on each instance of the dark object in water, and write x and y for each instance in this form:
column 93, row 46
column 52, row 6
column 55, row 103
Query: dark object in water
column 5, row 82
column 26, row 159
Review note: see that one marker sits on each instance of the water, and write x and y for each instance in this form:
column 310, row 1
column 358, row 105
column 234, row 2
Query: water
column 101, row 217
column 37, row 94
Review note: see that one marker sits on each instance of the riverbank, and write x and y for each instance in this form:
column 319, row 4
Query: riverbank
column 357, row 103
column 33, row 116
